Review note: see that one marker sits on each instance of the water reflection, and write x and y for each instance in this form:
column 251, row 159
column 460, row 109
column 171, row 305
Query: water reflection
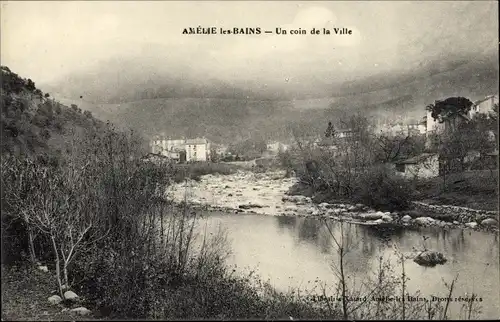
column 287, row 222
column 291, row 251
column 309, row 229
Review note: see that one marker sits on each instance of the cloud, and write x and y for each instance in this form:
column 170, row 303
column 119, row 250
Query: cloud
column 276, row 56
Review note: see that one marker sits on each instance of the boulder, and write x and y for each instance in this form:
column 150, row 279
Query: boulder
column 370, row 216
column 430, row 258
column 440, row 223
column 424, row 220
column 387, row 217
column 489, row 222
column 81, row 311
column 471, row 224
column 378, row 221
column 55, row 299
column 331, row 211
column 406, row 218
column 70, row 296
column 315, row 212
column 43, row 268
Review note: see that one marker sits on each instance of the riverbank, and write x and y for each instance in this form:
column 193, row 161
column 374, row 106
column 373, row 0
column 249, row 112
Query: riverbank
column 25, row 290
column 24, row 296
column 271, row 193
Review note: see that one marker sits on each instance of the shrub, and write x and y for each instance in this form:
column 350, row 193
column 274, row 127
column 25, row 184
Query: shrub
column 379, row 188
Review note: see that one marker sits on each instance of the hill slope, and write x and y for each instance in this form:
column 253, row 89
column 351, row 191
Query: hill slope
column 157, row 102
column 33, row 124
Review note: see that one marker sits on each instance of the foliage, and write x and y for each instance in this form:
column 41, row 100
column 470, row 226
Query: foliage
column 250, row 148
column 392, row 148
column 93, row 209
column 195, row 170
column 31, row 123
column 449, row 108
column 353, row 167
column 330, row 131
column 380, row 188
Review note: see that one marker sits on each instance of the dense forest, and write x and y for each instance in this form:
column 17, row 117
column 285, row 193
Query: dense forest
column 34, row 124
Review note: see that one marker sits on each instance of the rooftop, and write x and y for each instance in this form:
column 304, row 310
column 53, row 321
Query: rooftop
column 485, row 99
column 196, row 141
column 417, row 159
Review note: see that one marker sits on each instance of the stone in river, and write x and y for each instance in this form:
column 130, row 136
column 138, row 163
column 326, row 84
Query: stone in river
column 430, row 258
column 386, row 217
column 424, row 220
column 406, row 218
column 489, row 222
column 371, row 216
column 472, row 224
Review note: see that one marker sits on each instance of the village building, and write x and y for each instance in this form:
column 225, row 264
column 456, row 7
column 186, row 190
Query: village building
column 197, row 150
column 425, row 165
column 484, row 106
column 181, row 150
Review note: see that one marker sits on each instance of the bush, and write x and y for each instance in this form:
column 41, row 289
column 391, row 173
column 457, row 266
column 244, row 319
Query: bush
column 195, row 170
column 380, row 189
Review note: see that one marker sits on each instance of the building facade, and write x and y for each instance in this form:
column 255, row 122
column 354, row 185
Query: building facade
column 181, row 150
column 425, row 165
column 484, row 106
column 197, row 150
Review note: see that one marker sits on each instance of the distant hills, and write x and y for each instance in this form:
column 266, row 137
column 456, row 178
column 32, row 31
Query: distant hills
column 181, row 102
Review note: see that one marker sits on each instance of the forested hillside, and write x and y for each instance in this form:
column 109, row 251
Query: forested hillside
column 34, row 124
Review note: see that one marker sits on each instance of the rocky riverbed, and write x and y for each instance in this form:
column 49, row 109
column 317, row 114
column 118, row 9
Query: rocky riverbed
column 266, row 193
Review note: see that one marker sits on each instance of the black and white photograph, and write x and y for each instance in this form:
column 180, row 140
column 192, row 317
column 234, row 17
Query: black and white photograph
column 249, row 160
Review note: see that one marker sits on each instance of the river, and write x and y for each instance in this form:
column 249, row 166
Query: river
column 293, row 251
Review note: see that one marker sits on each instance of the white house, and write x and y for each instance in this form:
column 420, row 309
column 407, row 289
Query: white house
column 425, row 165
column 182, row 149
column 197, row 150
column 165, row 147
column 484, row 106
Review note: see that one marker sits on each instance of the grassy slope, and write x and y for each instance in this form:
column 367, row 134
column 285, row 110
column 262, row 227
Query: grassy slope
column 472, row 189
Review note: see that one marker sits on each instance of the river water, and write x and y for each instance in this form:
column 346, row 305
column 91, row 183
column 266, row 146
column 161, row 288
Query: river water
column 294, row 252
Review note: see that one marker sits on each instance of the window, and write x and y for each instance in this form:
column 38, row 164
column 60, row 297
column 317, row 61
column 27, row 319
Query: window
column 400, row 167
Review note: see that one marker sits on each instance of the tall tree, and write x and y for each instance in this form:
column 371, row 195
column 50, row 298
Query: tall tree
column 450, row 111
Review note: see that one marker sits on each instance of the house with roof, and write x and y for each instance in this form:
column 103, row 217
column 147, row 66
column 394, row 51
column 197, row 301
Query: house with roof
column 425, row 165
column 181, row 150
column 197, row 150
column 483, row 106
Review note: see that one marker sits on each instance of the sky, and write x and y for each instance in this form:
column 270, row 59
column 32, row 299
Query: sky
column 45, row 40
